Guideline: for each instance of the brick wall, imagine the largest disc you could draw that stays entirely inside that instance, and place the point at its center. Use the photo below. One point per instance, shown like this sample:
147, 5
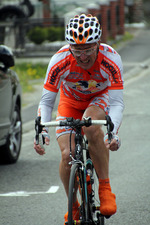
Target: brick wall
137, 11
111, 16
46, 12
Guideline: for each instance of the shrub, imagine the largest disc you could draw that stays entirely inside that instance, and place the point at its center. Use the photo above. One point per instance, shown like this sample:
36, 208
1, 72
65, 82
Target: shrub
62, 33
52, 34
37, 35
55, 34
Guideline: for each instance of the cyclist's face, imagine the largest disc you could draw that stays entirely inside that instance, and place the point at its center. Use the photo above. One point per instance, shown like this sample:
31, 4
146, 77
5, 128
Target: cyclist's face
85, 54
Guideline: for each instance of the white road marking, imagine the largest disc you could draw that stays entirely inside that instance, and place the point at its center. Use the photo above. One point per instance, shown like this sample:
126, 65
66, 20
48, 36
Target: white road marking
51, 190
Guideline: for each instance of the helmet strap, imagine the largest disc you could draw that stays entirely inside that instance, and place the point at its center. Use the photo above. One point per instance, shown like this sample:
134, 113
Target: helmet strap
71, 52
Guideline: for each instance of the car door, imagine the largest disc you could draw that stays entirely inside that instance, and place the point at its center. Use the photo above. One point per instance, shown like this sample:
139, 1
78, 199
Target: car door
5, 103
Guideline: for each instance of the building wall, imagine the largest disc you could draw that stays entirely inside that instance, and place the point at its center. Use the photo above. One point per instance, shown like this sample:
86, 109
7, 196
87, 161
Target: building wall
111, 15
135, 10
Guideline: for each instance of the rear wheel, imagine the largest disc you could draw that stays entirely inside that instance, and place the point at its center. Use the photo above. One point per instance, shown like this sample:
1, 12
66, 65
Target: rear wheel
77, 188
9, 153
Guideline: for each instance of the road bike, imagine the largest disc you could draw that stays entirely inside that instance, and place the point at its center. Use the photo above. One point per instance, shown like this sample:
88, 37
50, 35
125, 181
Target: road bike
83, 181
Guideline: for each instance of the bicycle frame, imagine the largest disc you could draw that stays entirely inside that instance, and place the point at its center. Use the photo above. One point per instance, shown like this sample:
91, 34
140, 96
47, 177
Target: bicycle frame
88, 207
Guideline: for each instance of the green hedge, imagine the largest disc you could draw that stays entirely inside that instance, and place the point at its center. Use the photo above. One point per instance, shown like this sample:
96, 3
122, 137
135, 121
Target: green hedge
37, 35
40, 34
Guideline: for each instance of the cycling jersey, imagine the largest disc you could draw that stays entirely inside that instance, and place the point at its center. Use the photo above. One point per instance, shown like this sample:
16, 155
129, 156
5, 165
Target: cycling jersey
79, 85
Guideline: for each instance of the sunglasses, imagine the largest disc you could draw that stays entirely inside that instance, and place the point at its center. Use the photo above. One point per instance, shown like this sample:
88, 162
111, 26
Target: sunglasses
88, 51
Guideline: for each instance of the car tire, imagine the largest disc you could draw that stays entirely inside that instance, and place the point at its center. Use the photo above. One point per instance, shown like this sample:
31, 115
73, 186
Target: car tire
9, 153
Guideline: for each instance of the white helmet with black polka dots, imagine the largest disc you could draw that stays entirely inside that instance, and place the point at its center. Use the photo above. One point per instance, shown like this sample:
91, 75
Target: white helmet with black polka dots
83, 30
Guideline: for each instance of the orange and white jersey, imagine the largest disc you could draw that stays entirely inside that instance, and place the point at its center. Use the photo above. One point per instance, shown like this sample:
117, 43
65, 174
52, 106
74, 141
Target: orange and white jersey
79, 84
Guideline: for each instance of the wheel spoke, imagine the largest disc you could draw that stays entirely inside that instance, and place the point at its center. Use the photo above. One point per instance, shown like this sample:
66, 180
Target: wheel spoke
15, 135
17, 128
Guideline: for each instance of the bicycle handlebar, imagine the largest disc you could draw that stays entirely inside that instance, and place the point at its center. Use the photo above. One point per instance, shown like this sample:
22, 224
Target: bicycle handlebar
74, 124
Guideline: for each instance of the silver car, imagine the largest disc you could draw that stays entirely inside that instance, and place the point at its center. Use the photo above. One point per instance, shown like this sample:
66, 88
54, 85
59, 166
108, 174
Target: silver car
10, 109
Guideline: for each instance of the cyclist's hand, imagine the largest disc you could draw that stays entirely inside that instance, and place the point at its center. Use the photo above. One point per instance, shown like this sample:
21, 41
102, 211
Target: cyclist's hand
114, 144
44, 138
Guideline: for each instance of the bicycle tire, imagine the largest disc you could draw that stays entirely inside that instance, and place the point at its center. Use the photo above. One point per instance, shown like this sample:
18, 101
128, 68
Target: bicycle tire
77, 187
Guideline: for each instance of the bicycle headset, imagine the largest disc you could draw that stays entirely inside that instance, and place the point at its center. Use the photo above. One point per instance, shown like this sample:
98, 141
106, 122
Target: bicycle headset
83, 29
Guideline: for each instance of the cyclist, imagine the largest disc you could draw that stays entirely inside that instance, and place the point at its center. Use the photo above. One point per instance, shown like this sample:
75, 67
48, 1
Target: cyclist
89, 76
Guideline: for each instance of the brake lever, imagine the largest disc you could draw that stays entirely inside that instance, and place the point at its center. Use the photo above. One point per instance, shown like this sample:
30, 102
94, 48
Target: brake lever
110, 127
38, 129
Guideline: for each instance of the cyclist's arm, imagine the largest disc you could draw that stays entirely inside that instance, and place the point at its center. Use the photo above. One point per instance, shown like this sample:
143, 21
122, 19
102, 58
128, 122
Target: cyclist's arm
116, 108
45, 111
46, 105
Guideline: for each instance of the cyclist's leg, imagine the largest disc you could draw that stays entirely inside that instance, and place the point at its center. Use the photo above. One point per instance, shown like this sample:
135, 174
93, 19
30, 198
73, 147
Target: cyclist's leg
66, 108
63, 136
64, 167
100, 156
95, 135
64, 171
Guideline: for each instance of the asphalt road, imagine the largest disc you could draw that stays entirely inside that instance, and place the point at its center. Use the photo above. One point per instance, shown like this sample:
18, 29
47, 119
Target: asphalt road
137, 51
31, 192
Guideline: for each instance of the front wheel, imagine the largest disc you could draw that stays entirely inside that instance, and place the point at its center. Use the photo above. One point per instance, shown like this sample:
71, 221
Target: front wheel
77, 192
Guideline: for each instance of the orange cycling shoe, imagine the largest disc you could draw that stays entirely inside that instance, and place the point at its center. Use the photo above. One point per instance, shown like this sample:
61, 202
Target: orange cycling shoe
76, 206
108, 205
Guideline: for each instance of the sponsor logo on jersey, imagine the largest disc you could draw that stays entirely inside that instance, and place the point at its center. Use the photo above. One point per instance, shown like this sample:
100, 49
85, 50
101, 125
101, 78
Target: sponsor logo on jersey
58, 69
111, 68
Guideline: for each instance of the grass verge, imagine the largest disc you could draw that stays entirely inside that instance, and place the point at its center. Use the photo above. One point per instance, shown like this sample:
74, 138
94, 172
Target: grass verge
28, 73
